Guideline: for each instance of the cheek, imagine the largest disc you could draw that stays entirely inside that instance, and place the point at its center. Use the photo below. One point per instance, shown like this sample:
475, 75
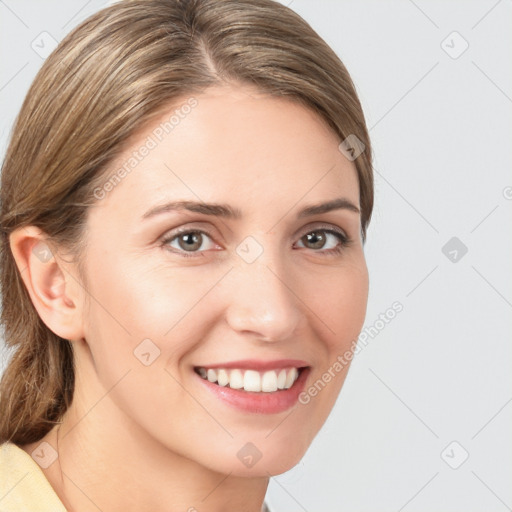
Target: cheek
342, 309
340, 301
145, 299
141, 324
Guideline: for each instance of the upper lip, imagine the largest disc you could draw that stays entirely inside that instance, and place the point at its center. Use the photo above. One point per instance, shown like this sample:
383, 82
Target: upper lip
256, 364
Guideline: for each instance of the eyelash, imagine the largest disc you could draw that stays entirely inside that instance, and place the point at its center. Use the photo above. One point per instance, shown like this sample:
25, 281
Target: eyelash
344, 239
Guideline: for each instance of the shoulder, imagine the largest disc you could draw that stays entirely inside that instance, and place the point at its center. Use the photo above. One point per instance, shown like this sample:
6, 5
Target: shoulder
23, 485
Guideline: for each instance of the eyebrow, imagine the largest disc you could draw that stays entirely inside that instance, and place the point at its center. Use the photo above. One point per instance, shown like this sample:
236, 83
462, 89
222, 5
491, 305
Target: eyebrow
227, 211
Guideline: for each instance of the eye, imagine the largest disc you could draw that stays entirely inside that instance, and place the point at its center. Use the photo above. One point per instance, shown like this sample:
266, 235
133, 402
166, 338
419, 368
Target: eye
195, 241
190, 240
320, 238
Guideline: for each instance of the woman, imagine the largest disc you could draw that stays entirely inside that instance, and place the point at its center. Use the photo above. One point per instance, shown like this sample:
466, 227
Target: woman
184, 204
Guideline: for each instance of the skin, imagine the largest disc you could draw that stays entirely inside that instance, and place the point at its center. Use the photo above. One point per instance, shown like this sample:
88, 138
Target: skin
150, 438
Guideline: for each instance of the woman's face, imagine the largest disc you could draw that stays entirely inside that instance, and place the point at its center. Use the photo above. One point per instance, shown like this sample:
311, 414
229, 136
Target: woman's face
270, 289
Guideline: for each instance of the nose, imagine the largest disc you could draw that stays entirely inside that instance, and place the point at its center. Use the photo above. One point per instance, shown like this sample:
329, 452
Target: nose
261, 299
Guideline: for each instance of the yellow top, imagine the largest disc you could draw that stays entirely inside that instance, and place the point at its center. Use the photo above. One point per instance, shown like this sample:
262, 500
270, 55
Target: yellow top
23, 485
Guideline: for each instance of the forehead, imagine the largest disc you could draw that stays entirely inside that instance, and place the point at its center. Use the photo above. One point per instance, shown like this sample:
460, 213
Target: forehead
233, 145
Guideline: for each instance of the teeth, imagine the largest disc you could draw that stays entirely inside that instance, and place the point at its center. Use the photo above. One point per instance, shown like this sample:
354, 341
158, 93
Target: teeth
236, 379
251, 380
269, 381
281, 379
291, 377
222, 377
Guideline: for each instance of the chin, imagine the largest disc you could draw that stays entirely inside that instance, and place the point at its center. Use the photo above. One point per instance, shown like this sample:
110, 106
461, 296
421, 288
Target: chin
265, 467
263, 458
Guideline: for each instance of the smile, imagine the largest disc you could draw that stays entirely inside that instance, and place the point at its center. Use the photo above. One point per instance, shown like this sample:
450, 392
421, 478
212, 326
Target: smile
255, 387
251, 380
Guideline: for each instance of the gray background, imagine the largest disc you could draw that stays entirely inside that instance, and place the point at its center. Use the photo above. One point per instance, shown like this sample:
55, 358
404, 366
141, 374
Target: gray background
435, 384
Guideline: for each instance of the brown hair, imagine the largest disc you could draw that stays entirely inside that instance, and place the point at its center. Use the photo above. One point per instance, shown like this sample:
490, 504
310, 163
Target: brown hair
108, 77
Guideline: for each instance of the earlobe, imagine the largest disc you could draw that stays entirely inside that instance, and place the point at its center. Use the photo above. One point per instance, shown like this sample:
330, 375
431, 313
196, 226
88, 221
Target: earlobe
52, 289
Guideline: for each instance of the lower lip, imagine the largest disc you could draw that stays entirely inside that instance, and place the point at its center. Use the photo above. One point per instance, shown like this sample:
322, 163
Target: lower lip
263, 402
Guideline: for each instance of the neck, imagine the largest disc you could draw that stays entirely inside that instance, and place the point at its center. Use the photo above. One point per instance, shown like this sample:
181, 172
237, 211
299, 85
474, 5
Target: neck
104, 464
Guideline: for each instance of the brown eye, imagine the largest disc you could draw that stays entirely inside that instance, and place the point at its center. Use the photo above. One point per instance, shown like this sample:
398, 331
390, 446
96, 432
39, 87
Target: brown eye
325, 241
315, 238
195, 242
188, 242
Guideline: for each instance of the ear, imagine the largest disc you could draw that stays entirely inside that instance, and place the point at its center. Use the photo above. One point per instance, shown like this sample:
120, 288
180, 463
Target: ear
51, 283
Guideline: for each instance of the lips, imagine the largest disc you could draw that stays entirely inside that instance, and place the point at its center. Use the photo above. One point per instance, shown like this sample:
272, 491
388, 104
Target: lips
256, 386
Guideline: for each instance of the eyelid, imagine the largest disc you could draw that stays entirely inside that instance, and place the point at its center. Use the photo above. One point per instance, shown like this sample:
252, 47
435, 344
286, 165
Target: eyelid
169, 236
304, 230
174, 233
322, 225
